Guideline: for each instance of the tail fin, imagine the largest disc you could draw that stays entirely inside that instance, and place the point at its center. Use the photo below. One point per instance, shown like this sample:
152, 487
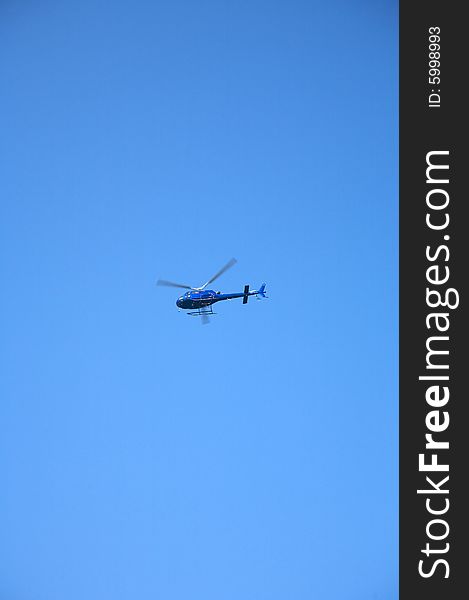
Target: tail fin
261, 291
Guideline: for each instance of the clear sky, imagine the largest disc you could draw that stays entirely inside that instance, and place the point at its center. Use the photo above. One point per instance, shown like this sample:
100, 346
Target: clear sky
143, 455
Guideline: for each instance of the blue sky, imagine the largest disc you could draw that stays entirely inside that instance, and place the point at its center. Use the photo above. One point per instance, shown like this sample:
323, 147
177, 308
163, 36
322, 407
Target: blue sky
143, 455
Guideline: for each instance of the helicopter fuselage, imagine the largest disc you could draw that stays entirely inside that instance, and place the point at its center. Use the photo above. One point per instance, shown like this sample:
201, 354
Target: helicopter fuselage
197, 299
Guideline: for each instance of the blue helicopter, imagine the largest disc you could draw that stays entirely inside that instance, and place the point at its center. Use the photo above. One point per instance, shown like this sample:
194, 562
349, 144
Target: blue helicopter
198, 300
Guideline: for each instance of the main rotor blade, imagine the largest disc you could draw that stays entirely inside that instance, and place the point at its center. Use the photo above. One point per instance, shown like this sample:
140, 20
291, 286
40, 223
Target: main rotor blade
172, 284
228, 265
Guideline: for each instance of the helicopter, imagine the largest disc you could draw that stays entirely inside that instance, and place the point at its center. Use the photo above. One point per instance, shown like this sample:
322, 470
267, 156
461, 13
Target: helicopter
199, 301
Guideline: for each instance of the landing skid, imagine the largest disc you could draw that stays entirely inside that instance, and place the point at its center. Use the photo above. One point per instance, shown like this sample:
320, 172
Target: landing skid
204, 312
